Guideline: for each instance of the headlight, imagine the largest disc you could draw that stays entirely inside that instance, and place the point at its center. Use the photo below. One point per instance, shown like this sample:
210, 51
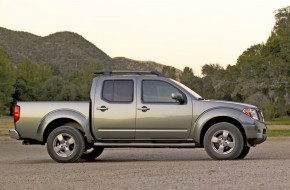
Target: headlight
252, 113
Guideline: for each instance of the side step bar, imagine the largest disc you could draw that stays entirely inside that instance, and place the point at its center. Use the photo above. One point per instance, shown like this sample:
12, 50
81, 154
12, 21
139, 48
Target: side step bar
145, 145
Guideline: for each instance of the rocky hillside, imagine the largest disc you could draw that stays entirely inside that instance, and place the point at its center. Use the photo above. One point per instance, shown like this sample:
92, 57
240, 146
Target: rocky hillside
66, 51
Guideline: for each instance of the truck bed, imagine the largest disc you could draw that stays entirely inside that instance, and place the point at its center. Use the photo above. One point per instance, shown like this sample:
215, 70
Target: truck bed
33, 114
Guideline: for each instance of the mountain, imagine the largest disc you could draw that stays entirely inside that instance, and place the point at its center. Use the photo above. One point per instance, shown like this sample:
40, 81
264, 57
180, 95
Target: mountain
66, 51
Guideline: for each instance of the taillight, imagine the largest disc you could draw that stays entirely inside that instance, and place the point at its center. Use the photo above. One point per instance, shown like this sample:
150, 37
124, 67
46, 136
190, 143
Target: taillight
16, 113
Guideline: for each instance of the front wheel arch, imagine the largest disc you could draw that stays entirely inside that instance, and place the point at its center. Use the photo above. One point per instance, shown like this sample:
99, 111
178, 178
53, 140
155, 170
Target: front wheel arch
216, 120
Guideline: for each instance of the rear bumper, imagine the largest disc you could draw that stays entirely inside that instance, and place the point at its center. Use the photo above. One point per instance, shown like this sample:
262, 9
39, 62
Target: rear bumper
14, 134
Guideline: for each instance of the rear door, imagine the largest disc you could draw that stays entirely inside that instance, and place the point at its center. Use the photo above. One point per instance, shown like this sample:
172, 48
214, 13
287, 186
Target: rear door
158, 115
115, 108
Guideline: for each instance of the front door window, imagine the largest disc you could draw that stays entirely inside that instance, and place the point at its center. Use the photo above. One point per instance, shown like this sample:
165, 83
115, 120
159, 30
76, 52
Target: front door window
154, 91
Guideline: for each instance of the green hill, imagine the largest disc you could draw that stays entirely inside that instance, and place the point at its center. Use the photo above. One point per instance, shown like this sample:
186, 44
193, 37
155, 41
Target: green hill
66, 51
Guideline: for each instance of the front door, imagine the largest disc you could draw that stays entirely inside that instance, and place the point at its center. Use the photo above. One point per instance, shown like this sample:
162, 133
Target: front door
115, 109
158, 115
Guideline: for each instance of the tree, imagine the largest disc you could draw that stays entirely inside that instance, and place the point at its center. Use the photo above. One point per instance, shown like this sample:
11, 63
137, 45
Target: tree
190, 80
213, 81
30, 79
186, 77
7, 78
82, 80
169, 72
52, 90
210, 69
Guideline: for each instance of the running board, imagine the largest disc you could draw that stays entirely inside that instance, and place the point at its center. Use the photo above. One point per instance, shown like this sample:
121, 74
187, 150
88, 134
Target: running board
145, 145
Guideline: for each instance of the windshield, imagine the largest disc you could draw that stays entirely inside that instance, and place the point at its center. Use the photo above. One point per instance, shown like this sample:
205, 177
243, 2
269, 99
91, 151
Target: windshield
194, 94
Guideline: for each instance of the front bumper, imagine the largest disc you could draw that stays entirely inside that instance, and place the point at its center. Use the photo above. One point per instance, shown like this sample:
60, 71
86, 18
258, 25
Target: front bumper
256, 134
14, 134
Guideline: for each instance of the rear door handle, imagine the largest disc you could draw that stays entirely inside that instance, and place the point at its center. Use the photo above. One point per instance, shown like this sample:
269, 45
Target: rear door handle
144, 109
102, 108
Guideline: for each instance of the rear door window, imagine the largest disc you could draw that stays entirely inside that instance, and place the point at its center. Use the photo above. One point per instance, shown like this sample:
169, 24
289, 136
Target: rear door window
118, 90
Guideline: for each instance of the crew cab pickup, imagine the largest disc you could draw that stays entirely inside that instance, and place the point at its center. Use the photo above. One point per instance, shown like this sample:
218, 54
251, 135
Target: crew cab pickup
139, 109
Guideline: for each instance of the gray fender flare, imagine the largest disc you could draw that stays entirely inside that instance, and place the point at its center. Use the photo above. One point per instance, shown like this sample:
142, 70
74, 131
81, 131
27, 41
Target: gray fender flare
78, 117
208, 115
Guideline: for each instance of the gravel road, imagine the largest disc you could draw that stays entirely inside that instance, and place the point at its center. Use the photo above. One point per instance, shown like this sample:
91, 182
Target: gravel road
29, 167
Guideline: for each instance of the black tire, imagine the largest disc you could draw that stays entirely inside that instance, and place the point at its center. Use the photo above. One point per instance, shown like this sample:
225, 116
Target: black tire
223, 141
92, 153
244, 152
65, 144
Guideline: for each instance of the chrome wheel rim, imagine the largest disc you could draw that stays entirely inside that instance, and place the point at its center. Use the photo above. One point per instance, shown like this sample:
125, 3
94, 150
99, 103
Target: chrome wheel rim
223, 142
64, 145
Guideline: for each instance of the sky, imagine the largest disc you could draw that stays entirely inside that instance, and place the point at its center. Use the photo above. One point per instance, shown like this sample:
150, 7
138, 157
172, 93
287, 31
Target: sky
178, 33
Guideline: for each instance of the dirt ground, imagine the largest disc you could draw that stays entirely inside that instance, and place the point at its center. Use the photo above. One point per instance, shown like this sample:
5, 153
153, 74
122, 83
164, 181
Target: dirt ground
29, 167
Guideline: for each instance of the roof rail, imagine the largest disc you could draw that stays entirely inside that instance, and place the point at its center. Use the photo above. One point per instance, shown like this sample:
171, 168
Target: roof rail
108, 73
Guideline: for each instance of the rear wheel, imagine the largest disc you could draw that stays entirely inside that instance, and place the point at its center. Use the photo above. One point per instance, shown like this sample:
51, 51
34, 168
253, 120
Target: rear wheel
223, 141
92, 153
65, 144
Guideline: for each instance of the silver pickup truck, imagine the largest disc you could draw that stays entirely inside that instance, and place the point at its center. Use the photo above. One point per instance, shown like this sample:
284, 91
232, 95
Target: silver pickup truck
139, 109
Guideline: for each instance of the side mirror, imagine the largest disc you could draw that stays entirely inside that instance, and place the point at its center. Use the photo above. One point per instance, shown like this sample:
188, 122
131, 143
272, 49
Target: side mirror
177, 96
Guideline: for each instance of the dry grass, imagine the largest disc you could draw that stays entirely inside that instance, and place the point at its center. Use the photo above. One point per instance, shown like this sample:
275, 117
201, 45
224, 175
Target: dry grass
278, 130
278, 127
6, 123
279, 121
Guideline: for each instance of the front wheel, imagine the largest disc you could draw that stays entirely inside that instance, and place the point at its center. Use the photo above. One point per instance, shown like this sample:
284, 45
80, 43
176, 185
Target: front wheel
65, 144
223, 141
244, 152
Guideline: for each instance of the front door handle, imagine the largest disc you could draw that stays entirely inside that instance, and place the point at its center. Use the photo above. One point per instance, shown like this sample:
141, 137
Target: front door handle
102, 108
144, 109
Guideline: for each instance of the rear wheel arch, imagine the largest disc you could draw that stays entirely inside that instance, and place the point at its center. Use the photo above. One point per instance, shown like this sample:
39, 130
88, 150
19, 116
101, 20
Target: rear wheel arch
58, 123
216, 120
